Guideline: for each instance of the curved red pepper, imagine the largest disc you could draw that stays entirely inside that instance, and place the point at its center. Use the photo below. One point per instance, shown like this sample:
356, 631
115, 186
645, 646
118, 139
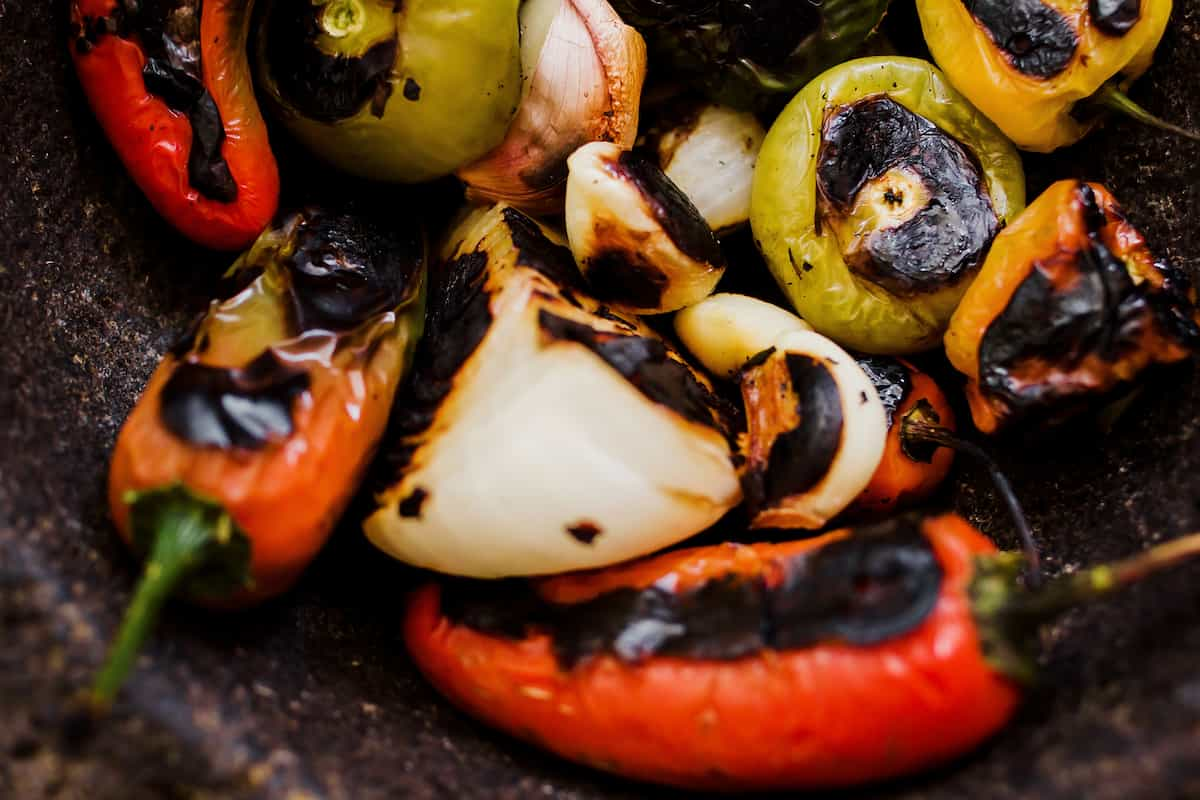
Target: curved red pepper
154, 141
831, 714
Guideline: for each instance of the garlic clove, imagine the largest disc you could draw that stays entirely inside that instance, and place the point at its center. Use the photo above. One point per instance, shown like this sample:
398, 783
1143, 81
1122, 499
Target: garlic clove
583, 84
710, 153
725, 331
638, 240
816, 431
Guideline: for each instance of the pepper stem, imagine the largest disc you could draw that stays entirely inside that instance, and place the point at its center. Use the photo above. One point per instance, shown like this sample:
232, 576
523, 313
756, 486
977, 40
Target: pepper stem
913, 429
1111, 97
183, 536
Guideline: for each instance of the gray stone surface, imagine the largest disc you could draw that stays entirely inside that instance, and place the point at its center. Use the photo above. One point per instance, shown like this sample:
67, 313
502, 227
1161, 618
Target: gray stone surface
312, 695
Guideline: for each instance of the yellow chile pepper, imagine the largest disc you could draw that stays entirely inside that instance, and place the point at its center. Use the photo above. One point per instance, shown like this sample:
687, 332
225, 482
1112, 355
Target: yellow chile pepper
1030, 64
1069, 308
876, 196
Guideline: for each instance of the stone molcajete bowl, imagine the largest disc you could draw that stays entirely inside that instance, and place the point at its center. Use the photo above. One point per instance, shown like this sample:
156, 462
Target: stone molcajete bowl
313, 695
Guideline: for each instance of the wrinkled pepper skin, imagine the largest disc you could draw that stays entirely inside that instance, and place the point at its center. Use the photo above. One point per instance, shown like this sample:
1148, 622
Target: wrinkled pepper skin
285, 492
1070, 55
826, 715
1070, 306
907, 475
154, 142
953, 165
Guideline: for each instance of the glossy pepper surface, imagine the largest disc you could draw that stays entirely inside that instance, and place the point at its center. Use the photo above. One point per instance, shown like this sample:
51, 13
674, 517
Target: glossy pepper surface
1070, 306
251, 436
392, 91
1028, 64
170, 85
659, 669
909, 471
877, 193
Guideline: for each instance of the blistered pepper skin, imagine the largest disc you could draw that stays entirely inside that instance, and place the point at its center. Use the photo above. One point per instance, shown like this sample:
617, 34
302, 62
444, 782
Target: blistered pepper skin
154, 142
805, 256
828, 715
1036, 111
285, 494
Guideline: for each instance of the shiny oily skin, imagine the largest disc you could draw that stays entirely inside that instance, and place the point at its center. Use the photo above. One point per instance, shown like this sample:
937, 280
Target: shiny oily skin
401, 92
1027, 64
808, 261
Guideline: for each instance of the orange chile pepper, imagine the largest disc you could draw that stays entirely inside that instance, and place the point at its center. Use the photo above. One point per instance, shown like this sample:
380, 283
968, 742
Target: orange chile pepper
196, 144
658, 669
252, 434
1070, 307
910, 470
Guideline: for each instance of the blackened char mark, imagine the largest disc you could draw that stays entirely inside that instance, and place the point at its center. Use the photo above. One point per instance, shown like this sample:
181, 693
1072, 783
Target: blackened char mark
616, 276
1115, 17
943, 241
456, 320
892, 382
536, 251
677, 214
226, 408
345, 269
645, 363
584, 532
800, 458
878, 583
317, 85
1101, 313
1037, 39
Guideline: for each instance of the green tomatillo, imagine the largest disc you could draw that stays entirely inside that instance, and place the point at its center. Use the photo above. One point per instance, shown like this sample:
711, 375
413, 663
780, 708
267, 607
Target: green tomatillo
877, 194
394, 91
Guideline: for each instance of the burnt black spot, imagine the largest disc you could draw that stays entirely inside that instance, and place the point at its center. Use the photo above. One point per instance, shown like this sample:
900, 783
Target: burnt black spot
317, 85
617, 276
758, 359
892, 382
537, 251
227, 408
878, 583
457, 318
412, 90
677, 214
346, 269
1037, 39
410, 507
800, 458
947, 238
1115, 17
187, 340
584, 532
604, 312
1102, 313
646, 364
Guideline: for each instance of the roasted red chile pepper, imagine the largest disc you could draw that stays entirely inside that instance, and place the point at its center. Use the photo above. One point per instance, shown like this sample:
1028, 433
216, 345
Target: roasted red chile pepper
1070, 306
170, 84
853, 657
910, 470
253, 432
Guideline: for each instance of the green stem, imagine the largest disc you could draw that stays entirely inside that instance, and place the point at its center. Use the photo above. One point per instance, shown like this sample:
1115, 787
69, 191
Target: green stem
182, 542
1111, 97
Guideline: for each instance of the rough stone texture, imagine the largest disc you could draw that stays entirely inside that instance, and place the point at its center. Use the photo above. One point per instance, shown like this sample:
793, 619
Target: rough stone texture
312, 695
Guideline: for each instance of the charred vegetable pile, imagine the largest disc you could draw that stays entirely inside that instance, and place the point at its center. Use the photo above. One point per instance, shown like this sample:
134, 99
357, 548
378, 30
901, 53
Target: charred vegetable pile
549, 392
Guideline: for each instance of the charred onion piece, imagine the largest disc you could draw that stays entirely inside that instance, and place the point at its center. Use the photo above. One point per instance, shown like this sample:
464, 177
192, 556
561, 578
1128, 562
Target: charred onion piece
1031, 66
725, 331
388, 90
709, 152
1070, 306
876, 196
640, 242
583, 85
745, 52
541, 432
815, 432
